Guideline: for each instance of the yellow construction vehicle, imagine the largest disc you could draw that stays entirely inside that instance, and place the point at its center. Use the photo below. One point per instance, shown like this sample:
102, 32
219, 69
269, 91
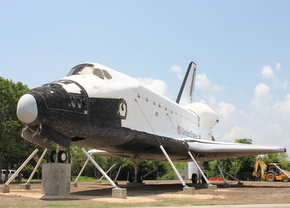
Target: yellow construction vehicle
270, 172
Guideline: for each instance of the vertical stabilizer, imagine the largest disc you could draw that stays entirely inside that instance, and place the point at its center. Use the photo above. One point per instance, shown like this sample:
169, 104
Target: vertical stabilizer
185, 94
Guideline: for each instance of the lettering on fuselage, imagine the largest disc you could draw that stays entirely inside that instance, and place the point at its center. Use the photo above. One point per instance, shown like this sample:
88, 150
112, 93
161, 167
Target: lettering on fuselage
186, 132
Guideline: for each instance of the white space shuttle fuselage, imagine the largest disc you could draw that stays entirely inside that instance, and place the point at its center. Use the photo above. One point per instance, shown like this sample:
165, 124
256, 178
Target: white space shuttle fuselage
97, 107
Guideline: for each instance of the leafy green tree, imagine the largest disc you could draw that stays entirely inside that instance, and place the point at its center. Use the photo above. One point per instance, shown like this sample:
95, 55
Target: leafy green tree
12, 146
240, 167
281, 158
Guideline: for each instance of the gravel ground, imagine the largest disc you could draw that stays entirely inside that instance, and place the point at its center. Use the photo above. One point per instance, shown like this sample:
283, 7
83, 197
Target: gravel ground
157, 193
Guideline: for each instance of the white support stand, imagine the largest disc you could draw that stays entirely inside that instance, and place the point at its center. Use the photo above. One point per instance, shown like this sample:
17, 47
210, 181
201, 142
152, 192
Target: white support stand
6, 188
80, 173
226, 185
116, 191
152, 171
172, 165
186, 189
27, 184
106, 172
210, 186
118, 173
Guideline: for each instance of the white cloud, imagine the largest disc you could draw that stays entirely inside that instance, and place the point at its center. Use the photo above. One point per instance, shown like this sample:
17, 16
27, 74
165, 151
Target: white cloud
177, 70
278, 66
227, 110
262, 97
202, 82
235, 133
268, 73
156, 85
266, 123
282, 108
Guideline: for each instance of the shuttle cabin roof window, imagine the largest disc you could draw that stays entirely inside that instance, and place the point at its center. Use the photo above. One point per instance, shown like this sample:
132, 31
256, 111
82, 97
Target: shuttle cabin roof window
81, 69
84, 69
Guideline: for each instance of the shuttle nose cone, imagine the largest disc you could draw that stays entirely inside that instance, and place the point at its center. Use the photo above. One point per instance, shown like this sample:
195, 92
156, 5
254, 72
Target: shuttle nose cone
27, 109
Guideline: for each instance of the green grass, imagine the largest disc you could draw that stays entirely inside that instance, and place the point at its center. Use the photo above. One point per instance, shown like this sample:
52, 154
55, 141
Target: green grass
85, 179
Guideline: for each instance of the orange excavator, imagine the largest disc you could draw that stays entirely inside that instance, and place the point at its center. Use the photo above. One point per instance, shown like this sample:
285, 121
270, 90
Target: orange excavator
270, 172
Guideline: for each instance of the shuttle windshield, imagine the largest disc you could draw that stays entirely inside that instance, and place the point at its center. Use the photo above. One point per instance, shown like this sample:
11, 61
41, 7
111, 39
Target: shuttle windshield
84, 69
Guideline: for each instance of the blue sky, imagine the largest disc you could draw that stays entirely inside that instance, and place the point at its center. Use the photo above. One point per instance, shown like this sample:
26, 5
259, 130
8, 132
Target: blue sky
241, 49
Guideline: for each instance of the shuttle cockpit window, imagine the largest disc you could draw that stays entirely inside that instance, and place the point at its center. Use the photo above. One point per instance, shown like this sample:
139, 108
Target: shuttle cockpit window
107, 75
84, 69
98, 72
81, 69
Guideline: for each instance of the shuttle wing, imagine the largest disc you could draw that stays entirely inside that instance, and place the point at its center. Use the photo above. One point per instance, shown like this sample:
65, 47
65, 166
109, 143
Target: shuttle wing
211, 150
208, 150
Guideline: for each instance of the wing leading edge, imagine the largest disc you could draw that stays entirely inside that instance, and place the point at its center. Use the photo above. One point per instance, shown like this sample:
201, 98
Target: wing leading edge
210, 150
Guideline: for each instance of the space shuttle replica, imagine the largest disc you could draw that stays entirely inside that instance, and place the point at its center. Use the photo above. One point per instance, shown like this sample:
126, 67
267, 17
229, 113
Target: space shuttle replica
97, 107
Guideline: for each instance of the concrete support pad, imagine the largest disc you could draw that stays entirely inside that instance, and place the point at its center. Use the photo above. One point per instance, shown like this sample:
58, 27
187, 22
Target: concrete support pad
226, 185
189, 190
24, 186
74, 184
120, 193
56, 179
212, 187
135, 184
4, 189
199, 185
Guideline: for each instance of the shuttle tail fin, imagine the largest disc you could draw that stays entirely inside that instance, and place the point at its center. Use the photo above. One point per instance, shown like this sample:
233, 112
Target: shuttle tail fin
185, 93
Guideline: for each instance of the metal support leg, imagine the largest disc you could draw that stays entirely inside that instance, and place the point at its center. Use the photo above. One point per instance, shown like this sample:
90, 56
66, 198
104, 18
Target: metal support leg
205, 178
224, 172
172, 165
107, 171
136, 163
152, 171
21, 167
36, 167
99, 168
225, 185
80, 173
118, 173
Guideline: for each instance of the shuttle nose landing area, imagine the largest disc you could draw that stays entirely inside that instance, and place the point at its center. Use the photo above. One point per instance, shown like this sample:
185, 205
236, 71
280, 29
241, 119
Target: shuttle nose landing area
27, 109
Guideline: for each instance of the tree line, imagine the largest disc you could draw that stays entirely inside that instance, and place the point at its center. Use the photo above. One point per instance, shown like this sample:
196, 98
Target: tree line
14, 150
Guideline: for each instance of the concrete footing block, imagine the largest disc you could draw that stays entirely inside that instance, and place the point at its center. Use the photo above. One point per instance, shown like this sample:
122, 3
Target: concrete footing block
212, 187
24, 186
4, 189
120, 193
199, 185
226, 185
135, 184
74, 184
189, 190
56, 179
